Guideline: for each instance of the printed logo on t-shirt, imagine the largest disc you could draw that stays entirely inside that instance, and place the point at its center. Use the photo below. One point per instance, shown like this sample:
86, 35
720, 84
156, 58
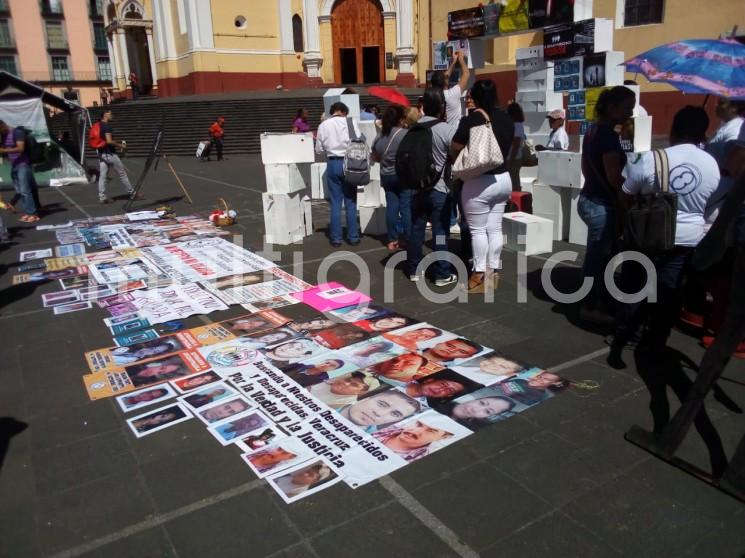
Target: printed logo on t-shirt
684, 179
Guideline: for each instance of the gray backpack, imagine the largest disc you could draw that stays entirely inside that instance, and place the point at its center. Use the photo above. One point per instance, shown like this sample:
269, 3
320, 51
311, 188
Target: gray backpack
356, 158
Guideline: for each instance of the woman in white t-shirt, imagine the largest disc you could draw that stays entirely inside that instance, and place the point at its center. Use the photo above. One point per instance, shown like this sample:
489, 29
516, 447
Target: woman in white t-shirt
515, 156
694, 177
729, 113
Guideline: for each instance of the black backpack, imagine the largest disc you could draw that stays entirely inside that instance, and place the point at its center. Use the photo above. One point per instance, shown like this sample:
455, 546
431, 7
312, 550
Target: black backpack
415, 164
36, 151
651, 220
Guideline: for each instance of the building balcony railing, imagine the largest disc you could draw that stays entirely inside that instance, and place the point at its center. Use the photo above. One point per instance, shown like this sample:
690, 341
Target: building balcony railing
66, 76
51, 8
58, 44
7, 41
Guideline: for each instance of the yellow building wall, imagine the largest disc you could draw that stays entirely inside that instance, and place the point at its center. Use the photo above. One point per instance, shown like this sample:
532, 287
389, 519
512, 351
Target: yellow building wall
262, 25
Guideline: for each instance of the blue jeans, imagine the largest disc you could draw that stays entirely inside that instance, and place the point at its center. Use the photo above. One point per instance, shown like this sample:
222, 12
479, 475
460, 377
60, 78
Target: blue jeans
24, 184
398, 203
432, 206
600, 219
340, 191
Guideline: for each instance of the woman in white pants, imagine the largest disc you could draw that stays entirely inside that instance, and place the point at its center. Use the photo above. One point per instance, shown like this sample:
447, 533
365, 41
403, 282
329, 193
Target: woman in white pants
484, 197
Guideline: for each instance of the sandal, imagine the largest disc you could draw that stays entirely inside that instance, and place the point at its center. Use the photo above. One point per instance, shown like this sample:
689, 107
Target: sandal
477, 284
30, 218
393, 245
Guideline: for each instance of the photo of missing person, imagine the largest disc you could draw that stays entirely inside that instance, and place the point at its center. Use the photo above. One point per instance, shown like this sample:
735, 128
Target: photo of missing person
303, 480
145, 397
388, 322
317, 370
313, 325
361, 312
223, 410
413, 337
156, 371
490, 368
239, 426
533, 387
440, 387
345, 390
262, 439
453, 351
270, 337
293, 351
158, 419
481, 408
254, 323
418, 437
150, 349
240, 280
381, 409
405, 368
208, 395
190, 383
341, 335
372, 351
277, 457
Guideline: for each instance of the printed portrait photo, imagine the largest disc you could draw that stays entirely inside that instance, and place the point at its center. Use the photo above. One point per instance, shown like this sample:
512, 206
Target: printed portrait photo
222, 410
303, 480
382, 324
145, 397
405, 368
490, 368
277, 457
293, 351
156, 371
158, 419
381, 409
360, 312
440, 387
418, 437
261, 439
452, 351
208, 395
372, 351
239, 426
346, 389
341, 335
150, 349
481, 408
316, 370
414, 337
533, 386
190, 383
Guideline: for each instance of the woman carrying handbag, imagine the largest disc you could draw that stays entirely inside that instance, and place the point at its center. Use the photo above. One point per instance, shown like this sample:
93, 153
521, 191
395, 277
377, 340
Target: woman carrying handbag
479, 143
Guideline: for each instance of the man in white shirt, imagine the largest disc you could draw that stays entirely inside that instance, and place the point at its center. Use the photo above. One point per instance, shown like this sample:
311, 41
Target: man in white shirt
694, 177
332, 140
558, 139
454, 106
728, 131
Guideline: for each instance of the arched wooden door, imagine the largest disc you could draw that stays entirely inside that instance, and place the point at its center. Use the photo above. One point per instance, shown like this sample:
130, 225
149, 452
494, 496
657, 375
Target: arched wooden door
358, 41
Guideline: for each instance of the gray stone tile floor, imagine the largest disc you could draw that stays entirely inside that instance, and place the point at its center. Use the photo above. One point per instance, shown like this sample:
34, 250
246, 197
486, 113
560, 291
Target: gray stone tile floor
557, 480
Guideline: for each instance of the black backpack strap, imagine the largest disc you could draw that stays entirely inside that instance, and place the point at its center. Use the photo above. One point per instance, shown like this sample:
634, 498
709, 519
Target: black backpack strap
352, 133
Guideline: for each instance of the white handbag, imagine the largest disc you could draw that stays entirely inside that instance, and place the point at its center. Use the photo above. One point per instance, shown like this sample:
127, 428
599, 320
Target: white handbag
481, 154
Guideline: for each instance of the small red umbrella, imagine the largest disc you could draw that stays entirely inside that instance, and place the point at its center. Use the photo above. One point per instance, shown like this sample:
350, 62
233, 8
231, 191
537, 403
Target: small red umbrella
390, 94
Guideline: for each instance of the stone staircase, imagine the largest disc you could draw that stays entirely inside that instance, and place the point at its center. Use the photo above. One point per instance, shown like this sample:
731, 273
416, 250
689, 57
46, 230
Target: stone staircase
186, 119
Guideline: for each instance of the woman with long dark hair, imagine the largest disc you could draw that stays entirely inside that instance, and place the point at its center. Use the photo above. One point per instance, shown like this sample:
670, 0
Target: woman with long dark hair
300, 124
602, 199
484, 197
397, 198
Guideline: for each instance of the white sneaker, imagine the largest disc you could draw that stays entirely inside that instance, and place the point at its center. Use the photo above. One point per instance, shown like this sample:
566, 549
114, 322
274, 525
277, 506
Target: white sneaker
453, 278
414, 277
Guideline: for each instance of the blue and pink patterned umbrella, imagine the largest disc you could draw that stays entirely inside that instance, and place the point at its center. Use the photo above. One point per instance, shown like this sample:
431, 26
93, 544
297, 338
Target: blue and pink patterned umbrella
707, 66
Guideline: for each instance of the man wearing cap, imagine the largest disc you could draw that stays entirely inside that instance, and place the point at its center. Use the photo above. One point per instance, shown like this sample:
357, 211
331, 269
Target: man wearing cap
558, 140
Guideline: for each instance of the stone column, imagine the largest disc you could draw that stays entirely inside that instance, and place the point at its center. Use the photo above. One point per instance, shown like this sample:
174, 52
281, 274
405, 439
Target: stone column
405, 53
312, 59
124, 56
116, 69
151, 56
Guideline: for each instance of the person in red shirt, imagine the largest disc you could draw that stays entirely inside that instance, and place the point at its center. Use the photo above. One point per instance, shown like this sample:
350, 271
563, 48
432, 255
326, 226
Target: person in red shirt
216, 133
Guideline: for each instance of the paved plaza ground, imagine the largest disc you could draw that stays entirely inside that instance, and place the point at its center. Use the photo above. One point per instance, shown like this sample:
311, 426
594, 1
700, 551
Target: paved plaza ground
556, 480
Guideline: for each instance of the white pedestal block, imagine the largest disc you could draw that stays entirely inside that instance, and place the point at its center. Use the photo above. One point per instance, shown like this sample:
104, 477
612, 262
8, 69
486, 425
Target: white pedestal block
287, 178
372, 195
539, 101
614, 68
527, 233
372, 220
642, 134
318, 181
336, 94
526, 182
534, 75
560, 168
529, 52
577, 227
284, 218
306, 205
553, 203
375, 171
368, 128
287, 148
582, 9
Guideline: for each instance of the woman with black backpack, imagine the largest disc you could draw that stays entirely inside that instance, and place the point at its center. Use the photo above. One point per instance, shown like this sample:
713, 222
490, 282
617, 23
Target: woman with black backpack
397, 198
485, 197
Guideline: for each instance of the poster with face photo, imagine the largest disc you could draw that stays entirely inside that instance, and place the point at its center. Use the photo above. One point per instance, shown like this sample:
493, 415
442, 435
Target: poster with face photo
452, 351
196, 381
159, 419
360, 312
117, 357
371, 352
482, 408
208, 395
316, 370
145, 397
413, 338
440, 387
533, 386
490, 368
404, 368
277, 457
346, 389
387, 323
303, 480
341, 335
255, 323
421, 436
261, 438
296, 350
222, 410
381, 409
249, 288
239, 426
